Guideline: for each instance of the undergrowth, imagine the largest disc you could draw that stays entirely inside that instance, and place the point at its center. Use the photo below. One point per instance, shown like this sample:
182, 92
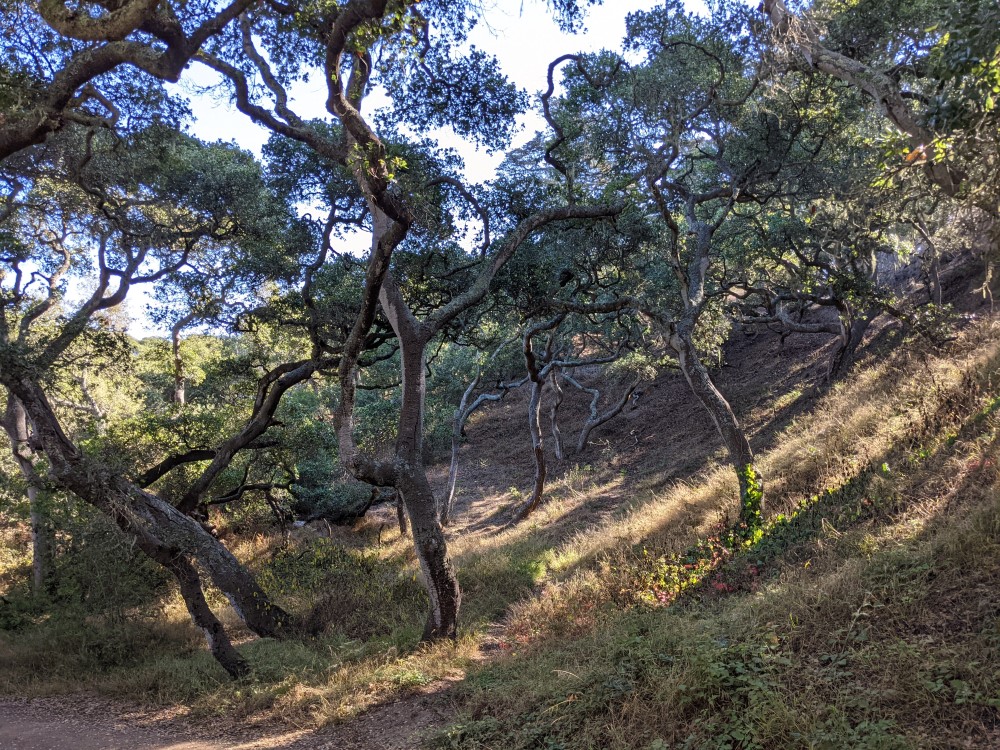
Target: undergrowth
864, 616
862, 612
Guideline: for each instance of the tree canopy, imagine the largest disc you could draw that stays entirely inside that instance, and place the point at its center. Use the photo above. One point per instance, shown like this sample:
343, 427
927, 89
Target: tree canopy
720, 171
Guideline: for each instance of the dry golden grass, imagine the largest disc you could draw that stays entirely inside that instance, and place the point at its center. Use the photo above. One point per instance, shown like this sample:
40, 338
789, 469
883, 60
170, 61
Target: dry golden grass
553, 582
876, 626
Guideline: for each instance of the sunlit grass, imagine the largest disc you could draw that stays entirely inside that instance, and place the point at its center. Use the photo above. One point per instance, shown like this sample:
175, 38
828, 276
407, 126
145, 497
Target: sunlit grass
900, 432
862, 632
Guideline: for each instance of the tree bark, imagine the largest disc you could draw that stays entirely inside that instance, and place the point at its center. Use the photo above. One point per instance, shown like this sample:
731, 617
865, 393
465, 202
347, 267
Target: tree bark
180, 380
440, 580
421, 506
733, 436
843, 358
15, 423
404, 528
144, 517
194, 599
39, 541
596, 419
429, 542
538, 450
557, 443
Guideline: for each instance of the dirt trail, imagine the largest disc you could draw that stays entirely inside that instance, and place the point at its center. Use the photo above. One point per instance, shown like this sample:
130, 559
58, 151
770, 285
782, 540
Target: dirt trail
494, 459
92, 723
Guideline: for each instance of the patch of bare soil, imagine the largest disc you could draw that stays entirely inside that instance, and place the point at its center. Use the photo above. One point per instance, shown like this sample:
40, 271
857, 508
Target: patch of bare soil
83, 722
666, 435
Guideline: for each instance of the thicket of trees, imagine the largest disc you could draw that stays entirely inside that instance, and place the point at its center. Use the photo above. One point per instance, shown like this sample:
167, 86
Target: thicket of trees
745, 168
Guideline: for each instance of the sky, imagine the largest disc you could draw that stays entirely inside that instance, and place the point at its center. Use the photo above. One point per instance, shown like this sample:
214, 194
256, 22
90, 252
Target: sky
523, 36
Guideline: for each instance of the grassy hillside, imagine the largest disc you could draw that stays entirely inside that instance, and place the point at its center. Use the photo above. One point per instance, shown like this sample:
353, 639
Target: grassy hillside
620, 615
866, 616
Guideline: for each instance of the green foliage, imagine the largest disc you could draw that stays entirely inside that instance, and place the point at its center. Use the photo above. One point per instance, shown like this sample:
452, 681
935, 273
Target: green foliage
740, 182
751, 499
470, 94
98, 571
359, 595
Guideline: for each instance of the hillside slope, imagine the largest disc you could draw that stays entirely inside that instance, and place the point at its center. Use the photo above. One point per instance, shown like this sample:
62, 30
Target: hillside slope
867, 615
618, 616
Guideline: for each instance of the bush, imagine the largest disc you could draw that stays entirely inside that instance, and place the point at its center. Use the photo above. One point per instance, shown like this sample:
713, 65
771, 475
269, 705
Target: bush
359, 594
97, 567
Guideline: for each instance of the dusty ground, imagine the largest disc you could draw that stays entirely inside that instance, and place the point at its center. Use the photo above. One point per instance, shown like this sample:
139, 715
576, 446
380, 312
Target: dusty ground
768, 383
668, 435
93, 723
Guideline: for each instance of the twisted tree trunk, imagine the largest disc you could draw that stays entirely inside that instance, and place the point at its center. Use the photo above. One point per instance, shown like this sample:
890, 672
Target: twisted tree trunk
538, 450
538, 367
440, 580
738, 446
410, 475
146, 518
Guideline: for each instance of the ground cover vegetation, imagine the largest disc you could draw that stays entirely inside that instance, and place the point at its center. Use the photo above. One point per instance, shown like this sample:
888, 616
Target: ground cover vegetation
679, 432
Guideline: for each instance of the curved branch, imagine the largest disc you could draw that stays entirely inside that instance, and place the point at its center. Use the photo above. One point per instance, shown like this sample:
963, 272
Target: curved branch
462, 414
269, 396
475, 293
60, 94
476, 205
878, 86
596, 419
113, 26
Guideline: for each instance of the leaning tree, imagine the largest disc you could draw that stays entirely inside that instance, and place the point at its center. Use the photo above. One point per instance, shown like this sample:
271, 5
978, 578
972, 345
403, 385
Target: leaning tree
112, 214
417, 51
690, 125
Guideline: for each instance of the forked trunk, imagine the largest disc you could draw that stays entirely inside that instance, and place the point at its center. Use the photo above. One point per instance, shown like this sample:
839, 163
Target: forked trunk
596, 419
538, 449
735, 439
194, 599
140, 514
